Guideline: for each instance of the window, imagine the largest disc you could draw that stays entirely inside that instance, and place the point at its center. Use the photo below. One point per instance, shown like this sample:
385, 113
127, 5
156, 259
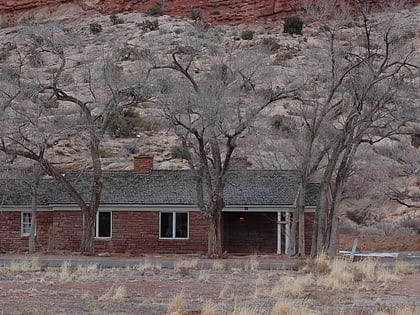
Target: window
26, 223
103, 224
174, 225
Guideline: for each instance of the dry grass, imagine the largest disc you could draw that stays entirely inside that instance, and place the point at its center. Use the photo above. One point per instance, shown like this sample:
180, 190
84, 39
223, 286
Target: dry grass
115, 294
209, 308
176, 303
283, 307
148, 266
404, 268
21, 266
386, 276
236, 289
293, 287
204, 276
192, 264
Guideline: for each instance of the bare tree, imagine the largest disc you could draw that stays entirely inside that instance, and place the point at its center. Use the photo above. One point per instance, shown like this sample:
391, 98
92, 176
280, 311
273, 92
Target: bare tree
367, 84
42, 109
211, 104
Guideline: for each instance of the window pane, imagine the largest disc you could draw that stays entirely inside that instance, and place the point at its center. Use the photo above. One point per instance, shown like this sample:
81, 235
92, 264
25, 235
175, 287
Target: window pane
26, 223
104, 224
166, 224
181, 225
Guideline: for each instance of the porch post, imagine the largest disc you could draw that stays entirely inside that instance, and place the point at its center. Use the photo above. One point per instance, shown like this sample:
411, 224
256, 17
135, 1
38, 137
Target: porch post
278, 232
287, 240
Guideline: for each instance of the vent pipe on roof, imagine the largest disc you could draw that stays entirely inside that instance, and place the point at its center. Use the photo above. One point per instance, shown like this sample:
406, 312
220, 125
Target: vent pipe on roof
143, 163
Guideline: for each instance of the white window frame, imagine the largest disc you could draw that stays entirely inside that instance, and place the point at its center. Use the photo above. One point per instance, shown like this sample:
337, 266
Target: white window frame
174, 237
97, 225
22, 223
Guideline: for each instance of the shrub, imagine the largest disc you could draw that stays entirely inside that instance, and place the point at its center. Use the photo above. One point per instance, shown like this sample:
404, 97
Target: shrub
411, 222
129, 53
283, 123
157, 10
148, 26
128, 124
247, 34
293, 25
270, 43
4, 24
116, 19
358, 216
131, 148
196, 14
95, 28
178, 152
280, 58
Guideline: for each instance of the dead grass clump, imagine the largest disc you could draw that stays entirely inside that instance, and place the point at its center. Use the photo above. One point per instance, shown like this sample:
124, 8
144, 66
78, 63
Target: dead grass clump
221, 265
148, 266
288, 308
244, 308
115, 294
252, 264
365, 269
395, 310
21, 266
292, 287
320, 265
209, 308
385, 276
176, 303
404, 268
339, 277
183, 267
204, 276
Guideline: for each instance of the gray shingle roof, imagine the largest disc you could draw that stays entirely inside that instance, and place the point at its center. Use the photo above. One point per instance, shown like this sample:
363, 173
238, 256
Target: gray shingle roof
244, 187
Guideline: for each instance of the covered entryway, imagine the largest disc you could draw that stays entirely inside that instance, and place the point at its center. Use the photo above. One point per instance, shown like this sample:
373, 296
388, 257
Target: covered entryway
250, 232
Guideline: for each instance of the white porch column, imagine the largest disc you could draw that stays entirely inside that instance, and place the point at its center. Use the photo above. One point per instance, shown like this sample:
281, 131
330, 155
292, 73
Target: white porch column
278, 232
287, 240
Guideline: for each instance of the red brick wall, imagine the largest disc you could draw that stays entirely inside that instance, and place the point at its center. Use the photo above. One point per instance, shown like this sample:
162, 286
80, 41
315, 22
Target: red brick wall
309, 221
138, 232
10, 231
67, 231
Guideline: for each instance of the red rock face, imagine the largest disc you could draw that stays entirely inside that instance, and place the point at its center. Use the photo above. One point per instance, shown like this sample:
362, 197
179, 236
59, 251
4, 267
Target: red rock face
264, 12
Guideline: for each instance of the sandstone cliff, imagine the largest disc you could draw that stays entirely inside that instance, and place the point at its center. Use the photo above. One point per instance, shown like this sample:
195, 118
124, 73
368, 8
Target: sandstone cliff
265, 12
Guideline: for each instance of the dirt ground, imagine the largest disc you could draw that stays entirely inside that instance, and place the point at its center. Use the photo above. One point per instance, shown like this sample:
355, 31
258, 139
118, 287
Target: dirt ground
376, 243
236, 286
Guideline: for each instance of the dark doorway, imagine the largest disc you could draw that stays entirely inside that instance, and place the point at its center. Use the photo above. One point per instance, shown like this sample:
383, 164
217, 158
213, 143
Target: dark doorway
250, 232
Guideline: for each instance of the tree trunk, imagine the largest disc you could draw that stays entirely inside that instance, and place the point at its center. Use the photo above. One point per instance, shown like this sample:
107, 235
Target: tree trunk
292, 239
333, 235
215, 235
34, 205
301, 217
32, 233
88, 233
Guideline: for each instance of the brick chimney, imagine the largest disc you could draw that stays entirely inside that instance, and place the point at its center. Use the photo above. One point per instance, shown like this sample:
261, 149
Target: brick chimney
143, 163
238, 163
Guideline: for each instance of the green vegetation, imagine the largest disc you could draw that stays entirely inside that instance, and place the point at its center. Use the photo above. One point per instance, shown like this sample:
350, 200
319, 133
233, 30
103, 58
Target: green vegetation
283, 123
115, 19
293, 25
247, 34
128, 124
95, 28
148, 26
157, 10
